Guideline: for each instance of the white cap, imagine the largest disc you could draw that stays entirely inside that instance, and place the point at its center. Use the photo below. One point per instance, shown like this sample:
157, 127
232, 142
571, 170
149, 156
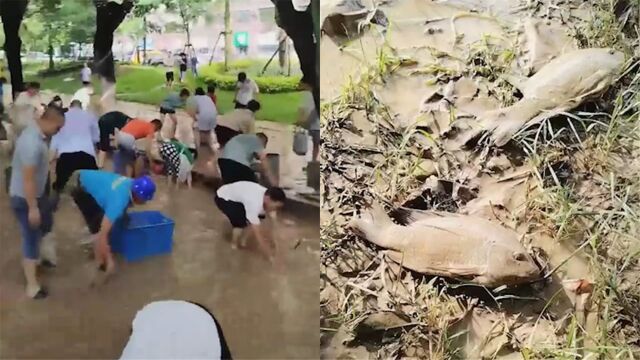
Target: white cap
173, 330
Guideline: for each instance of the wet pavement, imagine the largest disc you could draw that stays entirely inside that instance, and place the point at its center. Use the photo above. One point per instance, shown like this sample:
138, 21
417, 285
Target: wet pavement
263, 313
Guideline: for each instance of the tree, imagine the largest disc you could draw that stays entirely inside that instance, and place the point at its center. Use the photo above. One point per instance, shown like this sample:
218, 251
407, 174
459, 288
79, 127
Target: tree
141, 10
228, 35
109, 15
12, 13
189, 11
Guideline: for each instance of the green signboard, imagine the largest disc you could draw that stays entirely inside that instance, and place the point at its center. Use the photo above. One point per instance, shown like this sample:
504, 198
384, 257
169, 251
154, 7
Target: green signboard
241, 39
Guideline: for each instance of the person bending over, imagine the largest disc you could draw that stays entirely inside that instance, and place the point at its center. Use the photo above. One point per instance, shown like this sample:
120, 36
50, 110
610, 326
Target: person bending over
236, 122
103, 198
130, 158
169, 106
108, 123
243, 203
73, 148
237, 156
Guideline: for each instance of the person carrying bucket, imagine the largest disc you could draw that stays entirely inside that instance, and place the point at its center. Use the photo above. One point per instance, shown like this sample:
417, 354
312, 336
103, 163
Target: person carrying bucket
103, 198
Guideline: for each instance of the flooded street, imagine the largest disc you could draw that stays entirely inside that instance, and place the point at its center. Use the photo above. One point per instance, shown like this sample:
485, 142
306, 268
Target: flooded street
263, 313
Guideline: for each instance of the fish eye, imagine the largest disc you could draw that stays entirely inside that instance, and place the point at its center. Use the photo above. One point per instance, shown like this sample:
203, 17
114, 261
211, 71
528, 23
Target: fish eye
519, 256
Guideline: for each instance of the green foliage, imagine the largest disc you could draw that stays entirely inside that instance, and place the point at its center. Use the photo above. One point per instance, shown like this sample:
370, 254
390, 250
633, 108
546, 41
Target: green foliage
145, 84
215, 74
189, 10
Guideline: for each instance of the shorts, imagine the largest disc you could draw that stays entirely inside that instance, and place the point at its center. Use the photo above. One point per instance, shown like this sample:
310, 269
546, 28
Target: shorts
240, 106
164, 111
183, 68
169, 76
233, 171
206, 124
31, 237
234, 211
70, 162
315, 137
126, 141
224, 134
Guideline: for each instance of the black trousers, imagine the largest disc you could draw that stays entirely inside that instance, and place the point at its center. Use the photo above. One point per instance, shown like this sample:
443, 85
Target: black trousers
239, 106
299, 26
233, 171
224, 134
234, 211
91, 211
70, 162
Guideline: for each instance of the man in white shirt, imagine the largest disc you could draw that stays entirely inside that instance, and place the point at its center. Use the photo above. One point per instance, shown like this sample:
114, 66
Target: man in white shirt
84, 94
244, 203
246, 90
85, 75
74, 146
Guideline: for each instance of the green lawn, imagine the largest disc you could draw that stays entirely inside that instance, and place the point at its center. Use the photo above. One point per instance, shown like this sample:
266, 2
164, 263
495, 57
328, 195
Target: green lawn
144, 84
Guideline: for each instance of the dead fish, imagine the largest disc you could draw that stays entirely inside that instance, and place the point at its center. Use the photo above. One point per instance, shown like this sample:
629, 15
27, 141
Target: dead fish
346, 18
451, 245
561, 85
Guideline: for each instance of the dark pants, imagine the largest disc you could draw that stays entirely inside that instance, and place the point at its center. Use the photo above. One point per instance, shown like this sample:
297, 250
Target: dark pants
108, 123
224, 134
31, 236
70, 162
233, 171
91, 211
234, 211
240, 106
299, 26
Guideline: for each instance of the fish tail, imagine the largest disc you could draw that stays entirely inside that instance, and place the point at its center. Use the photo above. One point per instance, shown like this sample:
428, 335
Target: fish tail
371, 222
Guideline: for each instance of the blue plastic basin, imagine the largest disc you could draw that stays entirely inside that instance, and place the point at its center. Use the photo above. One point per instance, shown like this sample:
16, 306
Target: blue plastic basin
147, 233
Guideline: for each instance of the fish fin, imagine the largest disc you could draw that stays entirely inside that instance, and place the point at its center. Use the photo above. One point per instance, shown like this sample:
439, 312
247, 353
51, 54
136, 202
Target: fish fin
406, 216
370, 224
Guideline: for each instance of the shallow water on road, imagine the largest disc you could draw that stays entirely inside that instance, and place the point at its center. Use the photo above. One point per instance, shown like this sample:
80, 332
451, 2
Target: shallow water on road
263, 313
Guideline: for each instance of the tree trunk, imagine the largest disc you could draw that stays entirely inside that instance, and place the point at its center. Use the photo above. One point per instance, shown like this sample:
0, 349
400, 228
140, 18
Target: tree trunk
228, 34
144, 40
12, 12
51, 65
109, 15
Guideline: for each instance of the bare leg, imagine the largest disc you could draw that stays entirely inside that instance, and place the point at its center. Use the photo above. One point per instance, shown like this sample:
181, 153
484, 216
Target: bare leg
174, 124
33, 287
101, 158
236, 233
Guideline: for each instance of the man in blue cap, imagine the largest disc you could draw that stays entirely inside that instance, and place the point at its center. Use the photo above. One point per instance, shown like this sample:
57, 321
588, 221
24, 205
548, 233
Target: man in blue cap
103, 198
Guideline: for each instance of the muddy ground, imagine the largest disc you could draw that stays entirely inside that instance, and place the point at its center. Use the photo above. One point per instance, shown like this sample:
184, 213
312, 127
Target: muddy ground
263, 313
403, 103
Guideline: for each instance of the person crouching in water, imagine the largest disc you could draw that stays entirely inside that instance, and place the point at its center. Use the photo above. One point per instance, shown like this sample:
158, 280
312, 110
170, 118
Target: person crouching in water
244, 203
27, 186
73, 147
129, 163
169, 106
103, 198
239, 153
178, 161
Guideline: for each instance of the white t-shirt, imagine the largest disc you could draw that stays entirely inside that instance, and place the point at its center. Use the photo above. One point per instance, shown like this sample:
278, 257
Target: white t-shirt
85, 74
249, 194
247, 91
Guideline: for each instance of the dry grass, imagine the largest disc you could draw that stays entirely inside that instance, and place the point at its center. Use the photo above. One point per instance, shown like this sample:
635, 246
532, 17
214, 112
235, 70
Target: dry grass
588, 171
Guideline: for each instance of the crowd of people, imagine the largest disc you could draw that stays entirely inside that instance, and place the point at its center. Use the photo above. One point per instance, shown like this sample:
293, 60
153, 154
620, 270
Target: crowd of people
64, 150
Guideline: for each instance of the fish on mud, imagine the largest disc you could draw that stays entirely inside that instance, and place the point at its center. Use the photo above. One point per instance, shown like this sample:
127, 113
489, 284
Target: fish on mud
452, 245
560, 85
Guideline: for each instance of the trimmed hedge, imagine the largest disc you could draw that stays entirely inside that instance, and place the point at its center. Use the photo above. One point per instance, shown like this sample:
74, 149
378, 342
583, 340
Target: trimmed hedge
61, 68
215, 74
